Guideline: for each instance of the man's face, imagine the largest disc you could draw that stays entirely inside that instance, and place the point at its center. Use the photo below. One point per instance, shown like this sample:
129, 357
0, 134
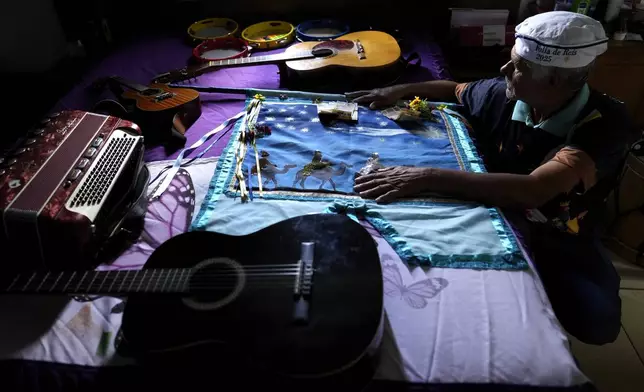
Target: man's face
520, 84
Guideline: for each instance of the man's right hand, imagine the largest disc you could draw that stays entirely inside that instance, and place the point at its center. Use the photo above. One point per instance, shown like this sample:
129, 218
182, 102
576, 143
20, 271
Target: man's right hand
379, 97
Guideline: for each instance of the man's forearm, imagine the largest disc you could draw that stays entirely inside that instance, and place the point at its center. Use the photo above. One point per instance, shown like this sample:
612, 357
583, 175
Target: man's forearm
497, 189
434, 90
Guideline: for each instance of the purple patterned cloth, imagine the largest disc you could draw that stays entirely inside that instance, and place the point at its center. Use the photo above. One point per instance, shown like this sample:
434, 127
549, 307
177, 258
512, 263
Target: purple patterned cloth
141, 61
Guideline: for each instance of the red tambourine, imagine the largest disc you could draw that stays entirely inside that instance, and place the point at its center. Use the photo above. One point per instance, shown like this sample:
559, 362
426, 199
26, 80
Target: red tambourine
221, 49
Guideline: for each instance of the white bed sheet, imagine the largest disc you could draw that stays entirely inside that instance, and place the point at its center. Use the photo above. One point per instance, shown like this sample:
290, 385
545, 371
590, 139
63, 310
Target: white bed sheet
479, 327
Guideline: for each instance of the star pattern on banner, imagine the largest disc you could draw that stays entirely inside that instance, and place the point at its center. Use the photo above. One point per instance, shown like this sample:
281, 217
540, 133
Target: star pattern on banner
291, 127
305, 130
315, 120
383, 123
280, 125
289, 119
282, 110
269, 118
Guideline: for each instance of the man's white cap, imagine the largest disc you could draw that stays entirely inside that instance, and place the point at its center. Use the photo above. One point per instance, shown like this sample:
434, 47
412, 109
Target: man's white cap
560, 39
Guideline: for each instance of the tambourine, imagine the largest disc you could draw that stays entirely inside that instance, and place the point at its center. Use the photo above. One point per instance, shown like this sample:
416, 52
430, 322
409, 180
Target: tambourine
212, 28
269, 35
321, 30
220, 49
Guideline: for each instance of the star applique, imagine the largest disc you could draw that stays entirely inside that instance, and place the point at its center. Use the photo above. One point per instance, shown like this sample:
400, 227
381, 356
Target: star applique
282, 110
382, 123
269, 118
289, 119
305, 130
315, 120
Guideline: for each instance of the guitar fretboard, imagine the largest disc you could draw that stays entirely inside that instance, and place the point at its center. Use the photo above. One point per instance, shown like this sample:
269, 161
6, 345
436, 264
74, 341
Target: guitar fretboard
268, 59
173, 280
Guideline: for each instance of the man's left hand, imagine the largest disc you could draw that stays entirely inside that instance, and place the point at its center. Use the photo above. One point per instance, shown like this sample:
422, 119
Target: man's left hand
388, 184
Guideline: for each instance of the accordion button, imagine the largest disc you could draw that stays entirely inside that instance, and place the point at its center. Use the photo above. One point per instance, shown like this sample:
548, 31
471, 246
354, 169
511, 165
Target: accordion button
2, 172
75, 174
97, 142
39, 131
83, 163
19, 151
12, 161
30, 142
90, 152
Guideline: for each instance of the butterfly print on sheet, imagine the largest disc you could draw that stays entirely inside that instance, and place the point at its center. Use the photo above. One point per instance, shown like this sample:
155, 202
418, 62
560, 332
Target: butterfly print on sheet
166, 217
417, 293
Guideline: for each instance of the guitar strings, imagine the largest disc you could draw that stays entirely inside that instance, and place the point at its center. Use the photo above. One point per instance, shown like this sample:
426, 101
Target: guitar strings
194, 279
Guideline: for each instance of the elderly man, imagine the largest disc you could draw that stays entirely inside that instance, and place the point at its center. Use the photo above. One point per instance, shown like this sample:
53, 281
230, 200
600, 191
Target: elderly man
553, 149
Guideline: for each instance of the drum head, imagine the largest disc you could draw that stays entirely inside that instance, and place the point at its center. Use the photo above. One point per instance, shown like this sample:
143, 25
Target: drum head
269, 35
212, 28
220, 49
321, 30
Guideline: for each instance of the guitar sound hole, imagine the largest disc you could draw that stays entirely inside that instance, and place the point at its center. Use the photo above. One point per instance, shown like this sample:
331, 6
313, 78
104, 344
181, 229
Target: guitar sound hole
322, 52
148, 92
215, 283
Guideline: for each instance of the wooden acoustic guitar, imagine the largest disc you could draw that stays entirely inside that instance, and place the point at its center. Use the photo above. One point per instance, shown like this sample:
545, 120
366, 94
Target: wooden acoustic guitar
299, 303
360, 51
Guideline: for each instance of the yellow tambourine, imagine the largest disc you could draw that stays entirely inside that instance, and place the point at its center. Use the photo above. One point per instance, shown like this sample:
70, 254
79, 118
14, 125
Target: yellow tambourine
212, 28
269, 35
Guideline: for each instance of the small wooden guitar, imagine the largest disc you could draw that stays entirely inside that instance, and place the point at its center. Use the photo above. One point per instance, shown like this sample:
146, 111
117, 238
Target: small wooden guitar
300, 301
364, 50
163, 113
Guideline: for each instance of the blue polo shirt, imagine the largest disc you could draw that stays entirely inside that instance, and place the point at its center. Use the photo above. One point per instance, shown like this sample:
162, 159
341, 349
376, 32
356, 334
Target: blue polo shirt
591, 135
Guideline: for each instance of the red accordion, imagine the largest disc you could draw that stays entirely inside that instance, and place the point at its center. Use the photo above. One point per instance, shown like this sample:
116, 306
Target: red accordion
67, 188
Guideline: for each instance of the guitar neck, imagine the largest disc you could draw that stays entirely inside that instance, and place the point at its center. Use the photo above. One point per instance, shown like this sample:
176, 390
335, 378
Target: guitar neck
169, 281
128, 84
256, 60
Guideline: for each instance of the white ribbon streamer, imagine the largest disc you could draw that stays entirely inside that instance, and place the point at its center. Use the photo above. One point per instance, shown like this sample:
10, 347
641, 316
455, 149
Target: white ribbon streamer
174, 168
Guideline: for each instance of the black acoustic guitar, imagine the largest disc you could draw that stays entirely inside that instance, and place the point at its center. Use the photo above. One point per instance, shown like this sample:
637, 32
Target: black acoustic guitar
299, 303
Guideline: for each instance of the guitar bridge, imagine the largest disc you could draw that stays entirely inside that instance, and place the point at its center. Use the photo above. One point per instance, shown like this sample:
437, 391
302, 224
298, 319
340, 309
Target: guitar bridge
164, 96
303, 283
360, 50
